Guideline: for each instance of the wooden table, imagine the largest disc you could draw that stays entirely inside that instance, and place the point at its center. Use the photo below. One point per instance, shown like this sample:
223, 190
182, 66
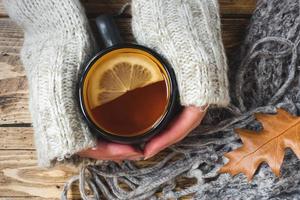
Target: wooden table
20, 178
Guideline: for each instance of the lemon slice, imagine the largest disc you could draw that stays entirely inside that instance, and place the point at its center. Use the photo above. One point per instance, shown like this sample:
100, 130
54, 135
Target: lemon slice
115, 75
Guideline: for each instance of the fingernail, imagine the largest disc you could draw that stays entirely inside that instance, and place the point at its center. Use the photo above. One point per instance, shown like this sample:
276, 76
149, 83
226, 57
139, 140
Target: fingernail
204, 108
149, 156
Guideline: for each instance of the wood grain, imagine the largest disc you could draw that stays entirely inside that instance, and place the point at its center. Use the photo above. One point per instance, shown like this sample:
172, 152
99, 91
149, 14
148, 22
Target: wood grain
96, 7
13, 138
2, 10
14, 101
237, 7
28, 198
11, 37
20, 176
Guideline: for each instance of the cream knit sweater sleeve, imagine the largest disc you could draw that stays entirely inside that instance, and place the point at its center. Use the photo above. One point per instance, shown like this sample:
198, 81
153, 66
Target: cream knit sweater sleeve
56, 45
188, 34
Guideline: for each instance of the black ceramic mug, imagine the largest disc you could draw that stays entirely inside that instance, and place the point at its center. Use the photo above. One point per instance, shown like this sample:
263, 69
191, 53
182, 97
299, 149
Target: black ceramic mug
127, 92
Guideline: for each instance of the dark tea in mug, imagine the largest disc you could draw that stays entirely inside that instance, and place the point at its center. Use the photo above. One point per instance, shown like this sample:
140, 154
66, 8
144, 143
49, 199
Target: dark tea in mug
126, 92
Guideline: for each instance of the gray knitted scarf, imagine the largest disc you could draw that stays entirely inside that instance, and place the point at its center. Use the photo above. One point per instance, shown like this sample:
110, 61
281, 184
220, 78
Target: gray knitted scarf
264, 76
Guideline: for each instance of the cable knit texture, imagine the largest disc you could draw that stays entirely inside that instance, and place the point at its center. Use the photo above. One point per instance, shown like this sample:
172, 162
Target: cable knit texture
188, 34
56, 45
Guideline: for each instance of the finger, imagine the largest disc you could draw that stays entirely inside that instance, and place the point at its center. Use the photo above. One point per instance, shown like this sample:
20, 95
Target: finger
185, 122
111, 151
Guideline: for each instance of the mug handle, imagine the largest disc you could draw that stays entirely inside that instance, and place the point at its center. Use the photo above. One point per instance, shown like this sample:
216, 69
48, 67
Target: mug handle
108, 30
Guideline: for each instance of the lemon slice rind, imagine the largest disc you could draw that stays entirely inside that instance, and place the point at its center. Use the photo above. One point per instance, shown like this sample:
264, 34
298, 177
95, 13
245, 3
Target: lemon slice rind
125, 72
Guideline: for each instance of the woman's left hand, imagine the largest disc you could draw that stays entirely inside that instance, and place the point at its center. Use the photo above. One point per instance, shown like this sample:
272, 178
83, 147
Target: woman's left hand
178, 129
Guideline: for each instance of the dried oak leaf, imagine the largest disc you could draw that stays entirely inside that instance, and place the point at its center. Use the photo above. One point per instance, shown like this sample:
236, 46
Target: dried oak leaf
281, 131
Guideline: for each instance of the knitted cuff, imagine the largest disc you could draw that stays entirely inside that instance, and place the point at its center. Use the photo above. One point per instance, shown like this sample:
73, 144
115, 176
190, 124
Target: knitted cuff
56, 44
188, 34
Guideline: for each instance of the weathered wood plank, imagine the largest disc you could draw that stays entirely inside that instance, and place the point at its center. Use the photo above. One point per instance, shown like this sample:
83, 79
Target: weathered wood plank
16, 138
14, 101
13, 84
29, 198
237, 7
19, 176
95, 7
11, 40
2, 10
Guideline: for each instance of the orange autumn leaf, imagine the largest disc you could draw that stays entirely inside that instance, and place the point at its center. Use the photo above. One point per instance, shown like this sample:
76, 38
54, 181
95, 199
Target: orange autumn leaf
281, 131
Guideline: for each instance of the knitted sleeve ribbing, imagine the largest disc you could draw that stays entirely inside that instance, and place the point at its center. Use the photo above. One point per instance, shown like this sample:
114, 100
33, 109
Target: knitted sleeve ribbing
56, 44
187, 33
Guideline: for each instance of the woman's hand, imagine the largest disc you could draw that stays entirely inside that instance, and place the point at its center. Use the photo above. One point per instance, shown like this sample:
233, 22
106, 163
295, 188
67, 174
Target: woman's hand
178, 129
112, 151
